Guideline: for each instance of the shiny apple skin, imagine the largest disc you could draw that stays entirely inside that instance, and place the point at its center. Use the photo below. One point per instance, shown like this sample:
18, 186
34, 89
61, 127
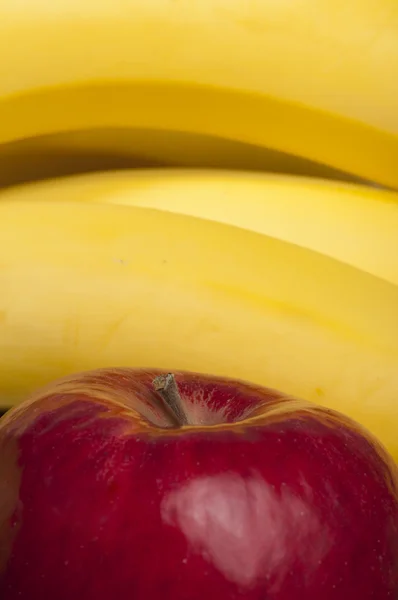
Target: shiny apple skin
268, 498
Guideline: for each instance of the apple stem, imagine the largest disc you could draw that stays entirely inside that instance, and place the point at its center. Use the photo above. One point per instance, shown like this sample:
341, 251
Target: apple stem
167, 388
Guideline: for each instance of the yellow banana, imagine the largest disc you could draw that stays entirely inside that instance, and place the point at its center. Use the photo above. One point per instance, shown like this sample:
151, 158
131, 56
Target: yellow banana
86, 285
353, 224
309, 78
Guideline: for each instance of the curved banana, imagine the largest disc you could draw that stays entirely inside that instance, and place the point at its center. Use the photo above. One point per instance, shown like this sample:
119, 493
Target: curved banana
356, 225
86, 285
308, 79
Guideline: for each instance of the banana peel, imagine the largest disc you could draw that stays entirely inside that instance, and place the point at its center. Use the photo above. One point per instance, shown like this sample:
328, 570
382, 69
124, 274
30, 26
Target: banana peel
87, 285
306, 79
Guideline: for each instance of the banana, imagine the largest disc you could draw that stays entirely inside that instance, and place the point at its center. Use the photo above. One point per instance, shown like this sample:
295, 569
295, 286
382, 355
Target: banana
306, 78
85, 285
354, 224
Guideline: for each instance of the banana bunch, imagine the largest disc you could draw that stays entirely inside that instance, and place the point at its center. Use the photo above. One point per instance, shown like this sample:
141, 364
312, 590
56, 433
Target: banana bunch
239, 274
202, 261
304, 79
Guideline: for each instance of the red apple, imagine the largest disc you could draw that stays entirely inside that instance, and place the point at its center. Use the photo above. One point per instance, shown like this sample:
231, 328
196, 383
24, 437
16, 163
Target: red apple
125, 484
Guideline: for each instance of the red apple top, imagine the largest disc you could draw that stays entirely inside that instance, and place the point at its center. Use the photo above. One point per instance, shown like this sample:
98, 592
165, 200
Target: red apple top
125, 484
